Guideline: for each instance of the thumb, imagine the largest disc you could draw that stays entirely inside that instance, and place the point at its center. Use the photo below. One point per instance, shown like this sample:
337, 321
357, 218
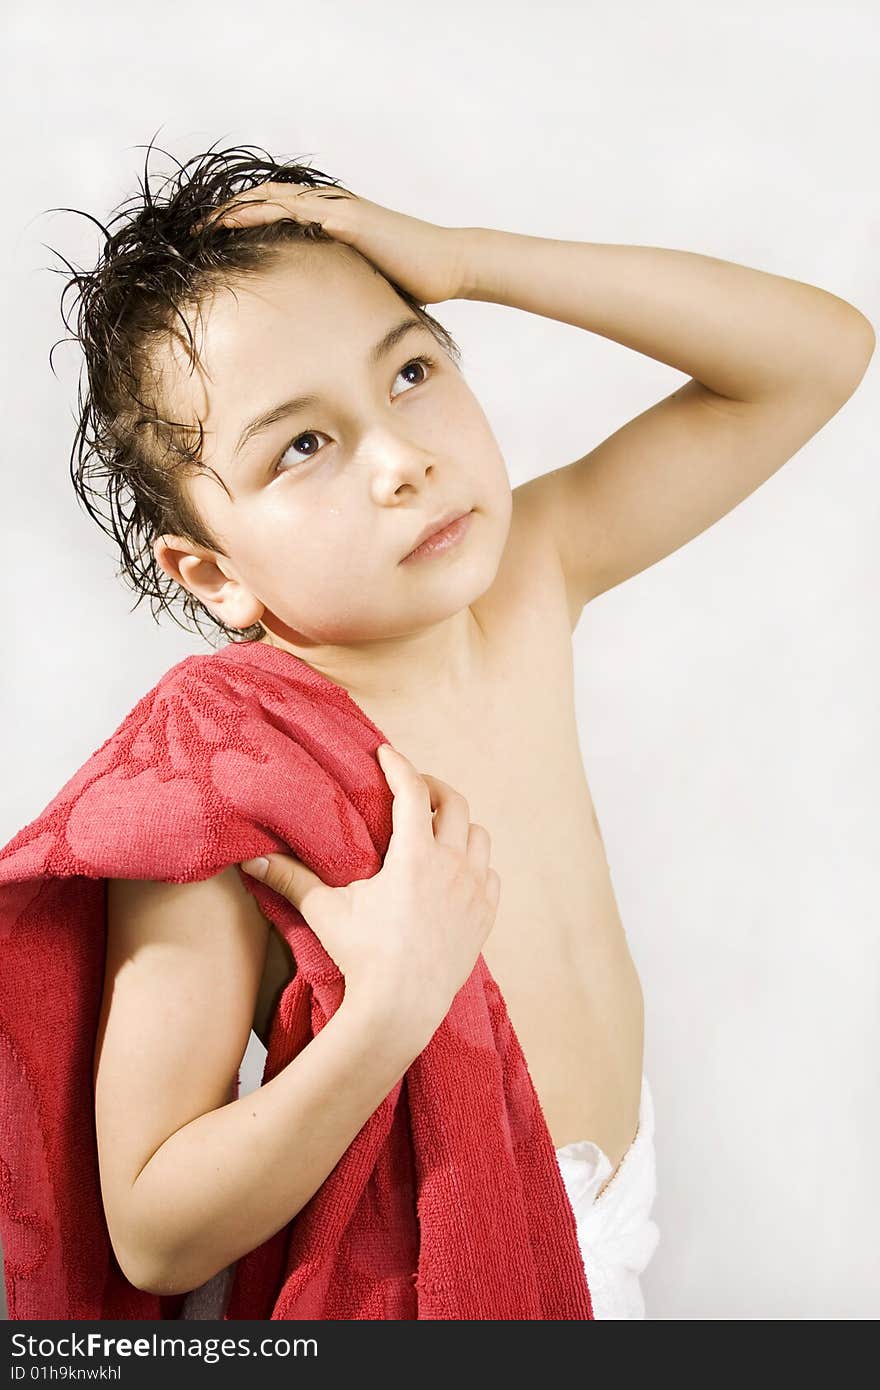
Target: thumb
285, 874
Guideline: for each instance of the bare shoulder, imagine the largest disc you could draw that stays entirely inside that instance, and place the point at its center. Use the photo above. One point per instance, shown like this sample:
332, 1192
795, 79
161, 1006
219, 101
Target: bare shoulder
182, 972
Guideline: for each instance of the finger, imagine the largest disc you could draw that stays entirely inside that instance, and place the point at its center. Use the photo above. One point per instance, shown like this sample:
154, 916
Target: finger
479, 847
285, 875
221, 217
248, 204
255, 210
411, 808
451, 813
493, 890
280, 194
261, 192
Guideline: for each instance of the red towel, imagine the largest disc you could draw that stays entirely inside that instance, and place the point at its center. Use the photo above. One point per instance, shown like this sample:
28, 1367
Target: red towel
448, 1203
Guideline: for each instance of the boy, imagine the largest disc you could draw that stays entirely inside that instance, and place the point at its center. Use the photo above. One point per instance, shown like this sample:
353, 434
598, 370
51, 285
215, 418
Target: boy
338, 435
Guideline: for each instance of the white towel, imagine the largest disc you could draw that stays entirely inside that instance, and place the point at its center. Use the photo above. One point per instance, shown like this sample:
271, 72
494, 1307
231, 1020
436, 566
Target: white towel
615, 1232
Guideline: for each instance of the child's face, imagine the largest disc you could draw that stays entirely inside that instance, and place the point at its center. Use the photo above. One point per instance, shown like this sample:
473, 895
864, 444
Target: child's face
324, 504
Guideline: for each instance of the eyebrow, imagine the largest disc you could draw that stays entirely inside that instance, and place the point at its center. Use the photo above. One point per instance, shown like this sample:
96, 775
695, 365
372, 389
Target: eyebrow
283, 409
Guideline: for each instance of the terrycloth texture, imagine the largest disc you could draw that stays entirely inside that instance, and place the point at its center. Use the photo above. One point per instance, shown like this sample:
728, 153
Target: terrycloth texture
449, 1203
615, 1230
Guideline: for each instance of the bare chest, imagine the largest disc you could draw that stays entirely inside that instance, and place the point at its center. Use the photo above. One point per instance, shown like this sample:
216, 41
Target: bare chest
557, 950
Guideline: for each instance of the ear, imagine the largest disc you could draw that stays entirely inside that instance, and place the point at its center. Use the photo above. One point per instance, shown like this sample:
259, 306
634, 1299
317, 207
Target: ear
204, 573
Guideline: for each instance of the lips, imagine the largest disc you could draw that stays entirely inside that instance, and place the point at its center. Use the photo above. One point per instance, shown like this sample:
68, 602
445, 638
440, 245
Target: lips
434, 526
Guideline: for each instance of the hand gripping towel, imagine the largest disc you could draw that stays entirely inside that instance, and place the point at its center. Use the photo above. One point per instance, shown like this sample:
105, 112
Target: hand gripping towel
448, 1203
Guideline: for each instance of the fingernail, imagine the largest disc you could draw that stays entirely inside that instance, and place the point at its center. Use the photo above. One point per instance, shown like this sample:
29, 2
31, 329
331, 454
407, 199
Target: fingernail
257, 868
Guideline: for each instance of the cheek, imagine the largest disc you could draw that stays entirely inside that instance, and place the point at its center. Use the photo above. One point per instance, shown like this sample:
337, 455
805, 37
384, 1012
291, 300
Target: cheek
316, 562
483, 446
494, 485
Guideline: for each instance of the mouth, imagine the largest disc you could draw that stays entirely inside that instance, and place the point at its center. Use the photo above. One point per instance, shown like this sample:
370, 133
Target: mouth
440, 536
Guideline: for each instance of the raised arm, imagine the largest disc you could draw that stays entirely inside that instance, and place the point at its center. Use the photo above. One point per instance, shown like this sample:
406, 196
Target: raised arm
771, 360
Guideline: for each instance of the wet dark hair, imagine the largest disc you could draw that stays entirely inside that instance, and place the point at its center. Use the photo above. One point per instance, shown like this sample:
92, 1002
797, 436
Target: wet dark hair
125, 454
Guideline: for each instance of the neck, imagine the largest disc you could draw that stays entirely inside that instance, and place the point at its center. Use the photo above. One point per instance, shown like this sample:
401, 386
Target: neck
441, 660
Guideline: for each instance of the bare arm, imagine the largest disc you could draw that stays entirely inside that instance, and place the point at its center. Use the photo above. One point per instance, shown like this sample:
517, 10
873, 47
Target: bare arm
190, 1183
771, 361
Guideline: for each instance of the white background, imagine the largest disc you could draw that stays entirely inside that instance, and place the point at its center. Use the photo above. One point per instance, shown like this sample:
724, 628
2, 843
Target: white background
728, 696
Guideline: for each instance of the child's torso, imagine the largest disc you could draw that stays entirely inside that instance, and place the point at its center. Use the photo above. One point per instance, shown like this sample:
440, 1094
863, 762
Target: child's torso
557, 950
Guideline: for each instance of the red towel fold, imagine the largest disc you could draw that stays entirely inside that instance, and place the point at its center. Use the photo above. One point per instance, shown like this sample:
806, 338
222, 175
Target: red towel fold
449, 1202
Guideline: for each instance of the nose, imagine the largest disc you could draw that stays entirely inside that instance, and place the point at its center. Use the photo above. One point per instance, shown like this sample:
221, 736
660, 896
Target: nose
395, 464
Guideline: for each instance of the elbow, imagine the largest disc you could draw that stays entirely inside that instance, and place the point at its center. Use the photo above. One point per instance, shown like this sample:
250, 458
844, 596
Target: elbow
157, 1266
149, 1284
162, 1280
150, 1276
867, 340
850, 360
165, 1276
147, 1270
838, 355
143, 1276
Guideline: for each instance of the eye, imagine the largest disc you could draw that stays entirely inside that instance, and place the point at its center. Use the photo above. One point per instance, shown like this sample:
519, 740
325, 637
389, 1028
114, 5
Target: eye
295, 445
424, 364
